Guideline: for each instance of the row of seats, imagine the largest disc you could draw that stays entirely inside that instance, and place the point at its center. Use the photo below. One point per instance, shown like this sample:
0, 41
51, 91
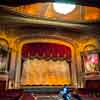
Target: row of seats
19, 94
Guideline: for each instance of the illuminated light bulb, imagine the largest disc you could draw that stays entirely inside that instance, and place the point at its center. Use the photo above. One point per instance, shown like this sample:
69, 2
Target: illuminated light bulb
63, 8
92, 60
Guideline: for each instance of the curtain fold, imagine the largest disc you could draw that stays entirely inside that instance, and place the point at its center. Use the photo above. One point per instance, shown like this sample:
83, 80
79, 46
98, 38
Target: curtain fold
46, 50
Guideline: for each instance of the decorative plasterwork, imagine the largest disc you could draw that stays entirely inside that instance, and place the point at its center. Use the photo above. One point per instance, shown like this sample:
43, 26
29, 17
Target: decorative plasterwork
46, 39
4, 43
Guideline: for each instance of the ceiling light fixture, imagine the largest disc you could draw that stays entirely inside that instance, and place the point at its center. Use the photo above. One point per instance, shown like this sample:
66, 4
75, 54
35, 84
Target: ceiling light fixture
63, 8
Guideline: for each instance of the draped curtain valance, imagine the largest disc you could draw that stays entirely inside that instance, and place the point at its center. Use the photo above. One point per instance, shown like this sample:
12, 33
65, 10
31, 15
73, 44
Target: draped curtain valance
46, 50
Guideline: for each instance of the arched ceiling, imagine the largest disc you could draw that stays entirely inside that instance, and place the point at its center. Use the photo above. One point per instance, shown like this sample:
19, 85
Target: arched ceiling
27, 18
32, 16
95, 3
47, 10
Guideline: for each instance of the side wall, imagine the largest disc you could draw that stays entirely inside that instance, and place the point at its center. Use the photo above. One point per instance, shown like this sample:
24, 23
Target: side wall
15, 42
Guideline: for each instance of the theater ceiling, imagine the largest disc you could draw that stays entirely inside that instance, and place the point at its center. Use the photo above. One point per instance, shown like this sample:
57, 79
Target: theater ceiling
36, 15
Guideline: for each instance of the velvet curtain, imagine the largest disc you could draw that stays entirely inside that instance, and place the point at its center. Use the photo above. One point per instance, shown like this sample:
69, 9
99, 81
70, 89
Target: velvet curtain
46, 50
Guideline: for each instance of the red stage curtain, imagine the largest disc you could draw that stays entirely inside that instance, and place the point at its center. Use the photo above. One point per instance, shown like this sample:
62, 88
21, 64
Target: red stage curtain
46, 50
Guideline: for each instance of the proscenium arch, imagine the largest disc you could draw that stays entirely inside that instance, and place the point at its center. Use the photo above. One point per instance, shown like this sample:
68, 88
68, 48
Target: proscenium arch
45, 39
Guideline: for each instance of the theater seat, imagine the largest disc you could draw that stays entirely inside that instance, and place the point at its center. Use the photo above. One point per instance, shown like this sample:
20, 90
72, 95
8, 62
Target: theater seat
2, 85
27, 96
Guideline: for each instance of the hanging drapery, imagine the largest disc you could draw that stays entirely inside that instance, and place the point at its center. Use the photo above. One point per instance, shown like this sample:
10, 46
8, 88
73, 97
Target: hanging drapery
45, 72
49, 64
46, 50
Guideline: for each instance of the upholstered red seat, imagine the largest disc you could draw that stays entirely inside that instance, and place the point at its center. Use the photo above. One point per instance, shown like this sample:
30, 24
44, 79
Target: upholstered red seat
27, 96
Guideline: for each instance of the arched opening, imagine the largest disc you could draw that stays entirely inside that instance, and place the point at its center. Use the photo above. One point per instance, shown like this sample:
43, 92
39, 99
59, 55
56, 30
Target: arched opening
4, 56
4, 63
